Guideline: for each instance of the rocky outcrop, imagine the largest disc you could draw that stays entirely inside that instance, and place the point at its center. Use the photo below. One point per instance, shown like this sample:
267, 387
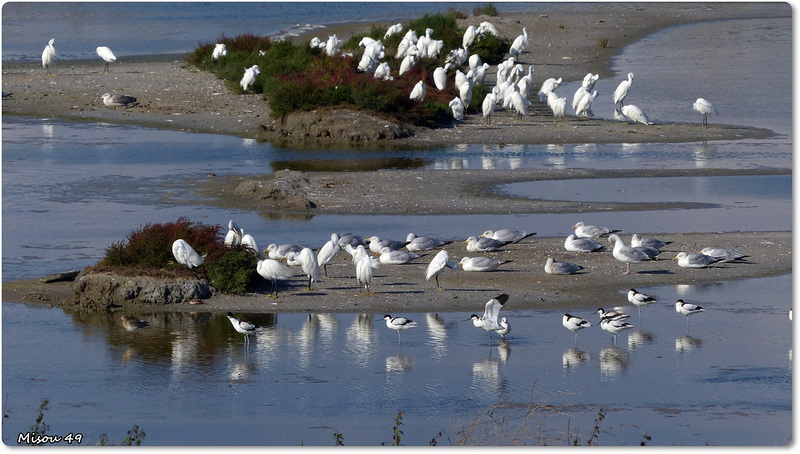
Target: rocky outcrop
99, 291
331, 125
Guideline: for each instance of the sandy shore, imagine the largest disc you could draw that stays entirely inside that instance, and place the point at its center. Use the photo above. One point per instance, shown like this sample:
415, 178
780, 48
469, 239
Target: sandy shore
178, 97
175, 96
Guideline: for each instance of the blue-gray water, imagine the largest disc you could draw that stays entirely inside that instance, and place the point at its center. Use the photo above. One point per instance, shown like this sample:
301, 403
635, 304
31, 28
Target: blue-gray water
72, 189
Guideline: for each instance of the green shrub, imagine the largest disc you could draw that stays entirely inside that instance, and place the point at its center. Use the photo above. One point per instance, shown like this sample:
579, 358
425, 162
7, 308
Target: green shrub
492, 49
489, 10
231, 270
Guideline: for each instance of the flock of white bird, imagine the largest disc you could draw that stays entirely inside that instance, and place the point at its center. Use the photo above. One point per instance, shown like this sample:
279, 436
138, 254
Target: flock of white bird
369, 253
512, 86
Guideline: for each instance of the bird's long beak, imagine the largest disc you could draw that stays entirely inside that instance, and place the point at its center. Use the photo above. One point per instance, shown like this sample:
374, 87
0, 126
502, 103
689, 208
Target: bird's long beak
674, 258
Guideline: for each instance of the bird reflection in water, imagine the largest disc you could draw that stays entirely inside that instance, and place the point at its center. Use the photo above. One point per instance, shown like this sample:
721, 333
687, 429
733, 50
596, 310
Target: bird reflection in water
574, 357
687, 343
437, 335
399, 363
639, 337
360, 340
613, 361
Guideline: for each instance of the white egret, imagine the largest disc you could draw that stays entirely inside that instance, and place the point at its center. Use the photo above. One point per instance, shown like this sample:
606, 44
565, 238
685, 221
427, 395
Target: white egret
440, 76
465, 92
328, 251
559, 107
622, 90
394, 29
408, 62
249, 242
220, 50
242, 326
584, 107
116, 100
548, 86
475, 61
626, 254
469, 36
107, 56
418, 92
705, 108
308, 262
437, 265
332, 46
186, 255
48, 55
249, 77
635, 115
382, 71
364, 268
273, 271
489, 103
234, 235
519, 44
457, 106
520, 105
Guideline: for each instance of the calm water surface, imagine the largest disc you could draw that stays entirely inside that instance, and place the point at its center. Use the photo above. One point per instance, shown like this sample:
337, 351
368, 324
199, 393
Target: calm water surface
188, 378
72, 189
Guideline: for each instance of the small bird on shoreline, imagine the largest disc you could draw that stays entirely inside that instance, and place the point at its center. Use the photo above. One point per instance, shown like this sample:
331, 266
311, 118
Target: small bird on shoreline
133, 325
242, 326
116, 100
399, 324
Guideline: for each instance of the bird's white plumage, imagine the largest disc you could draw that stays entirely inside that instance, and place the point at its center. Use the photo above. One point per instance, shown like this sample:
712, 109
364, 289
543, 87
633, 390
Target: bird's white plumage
692, 260
273, 271
622, 89
249, 77
638, 240
242, 326
724, 255
635, 114
703, 106
117, 100
490, 320
482, 244
574, 323
220, 50
49, 54
687, 309
480, 263
575, 244
107, 56
507, 235
422, 243
505, 328
583, 230
328, 251
640, 299
185, 254
390, 257
437, 266
626, 254
553, 266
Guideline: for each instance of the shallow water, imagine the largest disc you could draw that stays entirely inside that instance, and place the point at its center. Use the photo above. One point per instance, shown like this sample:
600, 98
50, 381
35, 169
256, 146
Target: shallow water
188, 378
72, 189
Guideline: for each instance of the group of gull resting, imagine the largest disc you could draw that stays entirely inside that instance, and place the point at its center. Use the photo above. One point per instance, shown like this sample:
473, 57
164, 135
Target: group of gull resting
368, 253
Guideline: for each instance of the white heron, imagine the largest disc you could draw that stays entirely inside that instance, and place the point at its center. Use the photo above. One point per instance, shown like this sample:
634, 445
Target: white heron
220, 50
396, 28
490, 319
704, 107
107, 56
328, 251
383, 71
48, 55
519, 104
308, 262
399, 324
186, 255
469, 36
465, 91
273, 271
250, 242
519, 44
408, 62
116, 100
584, 107
635, 114
559, 107
457, 106
364, 268
332, 46
622, 90
437, 266
440, 76
626, 254
548, 86
242, 326
234, 235
249, 77
418, 92
489, 103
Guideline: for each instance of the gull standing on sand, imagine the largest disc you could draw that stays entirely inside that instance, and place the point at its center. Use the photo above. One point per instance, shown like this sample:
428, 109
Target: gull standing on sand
48, 55
480, 263
591, 231
437, 265
691, 260
507, 235
626, 254
553, 266
575, 244
490, 318
107, 56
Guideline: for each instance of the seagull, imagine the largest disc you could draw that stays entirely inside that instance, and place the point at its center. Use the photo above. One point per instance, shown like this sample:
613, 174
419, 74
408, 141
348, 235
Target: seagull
438, 264
480, 263
399, 324
351, 239
489, 321
505, 328
640, 299
591, 231
422, 243
273, 270
687, 309
705, 108
637, 240
186, 255
106, 54
390, 257
553, 266
574, 324
376, 244
507, 235
575, 244
626, 254
242, 326
691, 260
614, 326
277, 252
133, 325
724, 255
116, 100
650, 251
475, 244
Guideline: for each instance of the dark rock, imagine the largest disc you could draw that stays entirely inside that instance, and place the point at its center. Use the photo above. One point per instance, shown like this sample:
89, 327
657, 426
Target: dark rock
59, 277
326, 125
99, 291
